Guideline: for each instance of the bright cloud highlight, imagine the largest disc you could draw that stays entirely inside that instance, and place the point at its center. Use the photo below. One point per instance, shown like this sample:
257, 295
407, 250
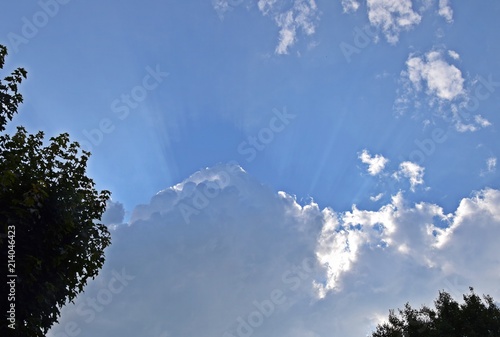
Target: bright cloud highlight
376, 164
441, 79
412, 171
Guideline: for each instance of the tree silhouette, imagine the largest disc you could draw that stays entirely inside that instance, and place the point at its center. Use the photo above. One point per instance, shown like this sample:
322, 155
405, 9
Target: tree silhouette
51, 241
473, 318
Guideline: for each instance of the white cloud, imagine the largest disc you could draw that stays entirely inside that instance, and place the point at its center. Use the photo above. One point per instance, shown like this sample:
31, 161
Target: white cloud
376, 164
377, 197
337, 251
453, 54
392, 16
477, 123
441, 79
287, 33
433, 84
463, 127
258, 257
481, 121
221, 7
265, 6
491, 166
350, 5
412, 171
475, 222
302, 16
445, 10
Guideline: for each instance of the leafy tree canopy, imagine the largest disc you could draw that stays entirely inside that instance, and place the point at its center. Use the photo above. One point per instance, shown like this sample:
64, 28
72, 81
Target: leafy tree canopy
473, 318
49, 213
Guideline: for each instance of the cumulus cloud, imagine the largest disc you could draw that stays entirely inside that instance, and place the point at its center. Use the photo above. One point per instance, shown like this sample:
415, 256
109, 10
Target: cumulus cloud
477, 218
420, 235
445, 10
252, 261
412, 171
376, 164
392, 17
434, 82
441, 79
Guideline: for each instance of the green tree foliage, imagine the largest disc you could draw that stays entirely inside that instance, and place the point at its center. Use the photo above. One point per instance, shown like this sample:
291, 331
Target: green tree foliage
10, 98
53, 210
473, 318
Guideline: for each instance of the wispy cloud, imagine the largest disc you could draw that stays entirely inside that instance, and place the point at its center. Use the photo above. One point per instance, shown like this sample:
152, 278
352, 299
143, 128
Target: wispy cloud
291, 16
412, 171
288, 32
377, 197
477, 123
302, 16
266, 6
350, 5
376, 164
221, 7
453, 54
481, 121
392, 17
445, 10
491, 166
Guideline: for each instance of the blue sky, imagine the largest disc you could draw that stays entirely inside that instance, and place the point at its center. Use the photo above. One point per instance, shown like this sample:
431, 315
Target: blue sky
360, 109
